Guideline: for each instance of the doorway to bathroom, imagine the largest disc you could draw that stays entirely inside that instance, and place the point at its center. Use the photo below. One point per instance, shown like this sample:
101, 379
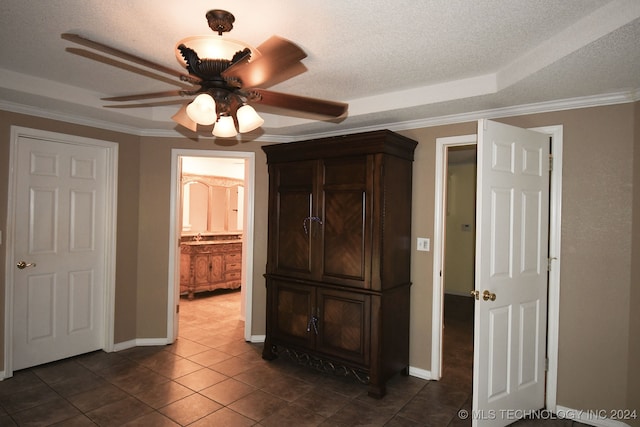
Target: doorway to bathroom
212, 229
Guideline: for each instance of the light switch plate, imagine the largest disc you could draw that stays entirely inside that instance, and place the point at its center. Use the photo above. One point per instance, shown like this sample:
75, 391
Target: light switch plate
424, 244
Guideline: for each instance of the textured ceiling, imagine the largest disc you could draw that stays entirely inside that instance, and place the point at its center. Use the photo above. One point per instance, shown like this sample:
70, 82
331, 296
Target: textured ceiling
393, 61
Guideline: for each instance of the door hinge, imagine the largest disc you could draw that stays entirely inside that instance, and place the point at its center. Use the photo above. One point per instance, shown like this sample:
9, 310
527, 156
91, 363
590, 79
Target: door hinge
550, 162
546, 364
177, 308
549, 262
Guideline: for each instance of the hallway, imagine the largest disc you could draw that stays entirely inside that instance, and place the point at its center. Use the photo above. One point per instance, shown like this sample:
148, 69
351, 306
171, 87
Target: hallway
212, 377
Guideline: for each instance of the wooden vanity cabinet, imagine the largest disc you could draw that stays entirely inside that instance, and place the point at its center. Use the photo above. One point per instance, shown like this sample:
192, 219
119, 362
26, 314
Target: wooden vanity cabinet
338, 258
207, 266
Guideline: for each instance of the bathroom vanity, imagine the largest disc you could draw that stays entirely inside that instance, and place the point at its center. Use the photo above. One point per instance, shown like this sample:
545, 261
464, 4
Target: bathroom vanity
210, 262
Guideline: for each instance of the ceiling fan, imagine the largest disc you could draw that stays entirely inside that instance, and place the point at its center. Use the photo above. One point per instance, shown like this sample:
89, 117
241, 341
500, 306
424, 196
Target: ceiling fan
225, 77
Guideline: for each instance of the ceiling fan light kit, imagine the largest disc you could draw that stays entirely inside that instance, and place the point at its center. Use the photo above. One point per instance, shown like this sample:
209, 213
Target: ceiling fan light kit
226, 76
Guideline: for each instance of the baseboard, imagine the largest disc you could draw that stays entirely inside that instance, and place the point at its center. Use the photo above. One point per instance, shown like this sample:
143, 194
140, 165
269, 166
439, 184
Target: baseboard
257, 339
420, 373
147, 342
140, 342
596, 418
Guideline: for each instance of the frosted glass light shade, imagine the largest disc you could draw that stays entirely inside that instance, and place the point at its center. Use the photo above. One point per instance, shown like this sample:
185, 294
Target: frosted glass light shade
213, 47
224, 127
248, 119
202, 109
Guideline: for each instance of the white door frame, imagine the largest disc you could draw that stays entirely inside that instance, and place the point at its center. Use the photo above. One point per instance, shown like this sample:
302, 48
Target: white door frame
555, 221
110, 234
173, 286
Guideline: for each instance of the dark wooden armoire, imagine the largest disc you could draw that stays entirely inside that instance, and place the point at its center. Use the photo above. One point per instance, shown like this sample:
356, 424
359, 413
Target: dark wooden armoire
339, 245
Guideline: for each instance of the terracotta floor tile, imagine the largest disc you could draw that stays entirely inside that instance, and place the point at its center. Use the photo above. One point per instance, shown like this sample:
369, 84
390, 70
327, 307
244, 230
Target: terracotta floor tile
92, 399
224, 417
227, 391
189, 409
118, 413
258, 405
201, 379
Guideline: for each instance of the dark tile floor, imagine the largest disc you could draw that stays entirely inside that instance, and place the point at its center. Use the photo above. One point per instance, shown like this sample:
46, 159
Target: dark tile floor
212, 377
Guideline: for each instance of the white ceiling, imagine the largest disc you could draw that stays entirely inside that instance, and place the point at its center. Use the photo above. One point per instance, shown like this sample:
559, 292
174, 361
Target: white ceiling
396, 62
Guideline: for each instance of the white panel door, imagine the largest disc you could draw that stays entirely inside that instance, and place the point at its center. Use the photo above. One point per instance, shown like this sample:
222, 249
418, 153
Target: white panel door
58, 292
512, 217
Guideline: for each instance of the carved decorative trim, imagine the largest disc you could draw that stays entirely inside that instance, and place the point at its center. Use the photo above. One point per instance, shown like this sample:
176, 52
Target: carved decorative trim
322, 365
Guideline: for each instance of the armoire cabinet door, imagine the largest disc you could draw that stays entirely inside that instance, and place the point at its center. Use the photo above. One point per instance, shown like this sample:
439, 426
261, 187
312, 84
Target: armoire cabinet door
344, 325
346, 218
293, 306
291, 223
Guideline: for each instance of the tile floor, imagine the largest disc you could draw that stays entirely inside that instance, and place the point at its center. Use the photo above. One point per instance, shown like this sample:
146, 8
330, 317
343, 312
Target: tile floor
212, 377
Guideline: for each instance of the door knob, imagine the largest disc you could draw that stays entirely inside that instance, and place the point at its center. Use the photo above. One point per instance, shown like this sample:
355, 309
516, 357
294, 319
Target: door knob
486, 295
22, 265
475, 294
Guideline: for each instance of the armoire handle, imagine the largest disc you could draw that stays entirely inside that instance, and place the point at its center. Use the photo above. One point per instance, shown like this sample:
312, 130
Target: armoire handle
309, 219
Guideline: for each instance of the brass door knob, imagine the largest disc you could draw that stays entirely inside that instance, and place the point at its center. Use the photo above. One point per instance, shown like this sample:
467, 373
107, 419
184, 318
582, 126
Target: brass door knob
488, 296
475, 294
22, 265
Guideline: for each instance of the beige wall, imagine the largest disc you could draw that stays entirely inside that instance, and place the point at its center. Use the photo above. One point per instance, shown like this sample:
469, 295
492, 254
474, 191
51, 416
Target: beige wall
598, 333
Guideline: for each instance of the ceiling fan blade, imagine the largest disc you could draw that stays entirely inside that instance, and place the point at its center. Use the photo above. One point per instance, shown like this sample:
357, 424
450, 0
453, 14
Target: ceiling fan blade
146, 104
145, 96
75, 38
276, 45
279, 60
183, 119
301, 103
124, 66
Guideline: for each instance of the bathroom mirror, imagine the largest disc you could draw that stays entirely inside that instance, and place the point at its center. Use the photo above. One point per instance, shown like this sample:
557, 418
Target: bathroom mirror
211, 204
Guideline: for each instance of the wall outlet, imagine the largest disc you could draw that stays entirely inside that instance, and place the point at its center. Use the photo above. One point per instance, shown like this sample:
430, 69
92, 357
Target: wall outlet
424, 244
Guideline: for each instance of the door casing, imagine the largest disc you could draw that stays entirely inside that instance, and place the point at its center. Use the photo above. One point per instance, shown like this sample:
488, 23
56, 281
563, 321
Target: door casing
555, 217
173, 286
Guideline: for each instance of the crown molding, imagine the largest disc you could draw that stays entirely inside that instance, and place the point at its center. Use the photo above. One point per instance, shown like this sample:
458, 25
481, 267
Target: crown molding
518, 110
